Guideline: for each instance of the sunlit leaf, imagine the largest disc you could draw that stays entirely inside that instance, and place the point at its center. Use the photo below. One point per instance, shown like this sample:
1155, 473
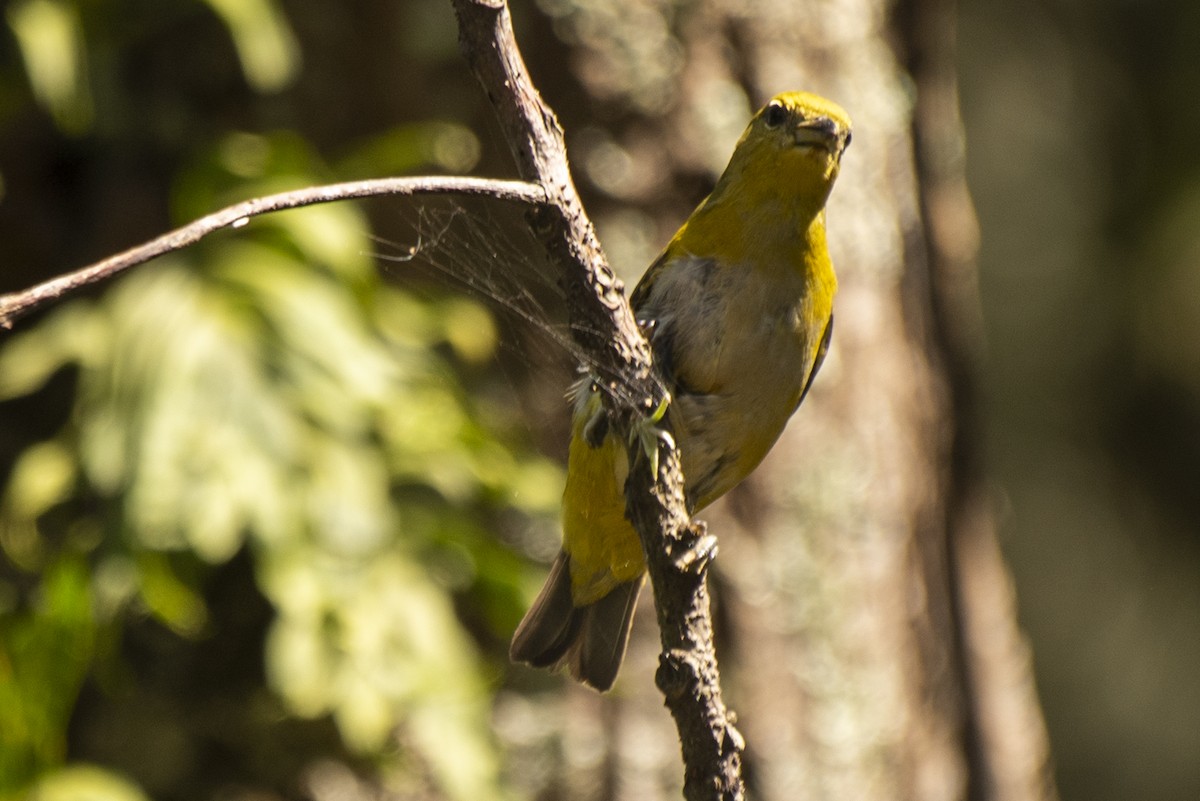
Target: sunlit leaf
264, 40
42, 477
398, 654
347, 499
470, 330
169, 599
44, 653
76, 334
86, 783
408, 148
52, 46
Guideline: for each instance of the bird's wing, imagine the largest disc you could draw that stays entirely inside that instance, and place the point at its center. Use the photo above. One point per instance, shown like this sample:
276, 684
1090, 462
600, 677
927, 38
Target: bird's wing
656, 302
822, 349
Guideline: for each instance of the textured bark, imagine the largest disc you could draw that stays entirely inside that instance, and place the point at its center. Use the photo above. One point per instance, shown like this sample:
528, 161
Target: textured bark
619, 356
1004, 738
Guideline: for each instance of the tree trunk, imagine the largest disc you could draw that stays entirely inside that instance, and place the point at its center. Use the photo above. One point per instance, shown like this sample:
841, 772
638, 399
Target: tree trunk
866, 623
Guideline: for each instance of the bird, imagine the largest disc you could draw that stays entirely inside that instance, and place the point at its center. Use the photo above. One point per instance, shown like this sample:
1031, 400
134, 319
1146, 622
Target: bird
738, 309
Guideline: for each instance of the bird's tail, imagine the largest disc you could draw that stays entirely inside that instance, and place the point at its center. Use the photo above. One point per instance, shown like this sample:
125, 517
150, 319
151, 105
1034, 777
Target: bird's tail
590, 639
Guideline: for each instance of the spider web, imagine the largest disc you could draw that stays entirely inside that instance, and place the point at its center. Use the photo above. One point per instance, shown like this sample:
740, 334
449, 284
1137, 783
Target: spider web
492, 256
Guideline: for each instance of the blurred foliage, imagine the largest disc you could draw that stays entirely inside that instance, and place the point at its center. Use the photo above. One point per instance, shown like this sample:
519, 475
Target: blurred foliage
85, 783
262, 398
53, 51
267, 393
265, 44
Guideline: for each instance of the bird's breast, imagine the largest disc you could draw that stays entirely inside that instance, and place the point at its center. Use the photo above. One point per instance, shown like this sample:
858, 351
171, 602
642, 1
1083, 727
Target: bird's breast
741, 344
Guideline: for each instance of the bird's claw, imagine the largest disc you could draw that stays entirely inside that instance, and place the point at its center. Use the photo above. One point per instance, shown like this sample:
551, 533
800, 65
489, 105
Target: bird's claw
697, 555
649, 436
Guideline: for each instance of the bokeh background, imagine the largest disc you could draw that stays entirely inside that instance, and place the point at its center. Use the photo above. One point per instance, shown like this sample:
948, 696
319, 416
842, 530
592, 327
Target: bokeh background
233, 566
1078, 116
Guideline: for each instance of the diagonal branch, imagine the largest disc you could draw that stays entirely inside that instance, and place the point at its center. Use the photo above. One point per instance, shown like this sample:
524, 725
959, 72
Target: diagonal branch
16, 305
677, 551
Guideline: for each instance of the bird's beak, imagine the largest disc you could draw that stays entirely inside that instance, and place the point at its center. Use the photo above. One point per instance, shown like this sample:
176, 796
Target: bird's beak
822, 132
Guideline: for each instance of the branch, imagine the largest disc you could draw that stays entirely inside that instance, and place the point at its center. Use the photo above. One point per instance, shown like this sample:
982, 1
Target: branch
16, 305
677, 552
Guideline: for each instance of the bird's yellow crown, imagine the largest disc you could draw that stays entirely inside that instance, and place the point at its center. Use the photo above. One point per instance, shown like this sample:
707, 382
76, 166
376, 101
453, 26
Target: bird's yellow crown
777, 180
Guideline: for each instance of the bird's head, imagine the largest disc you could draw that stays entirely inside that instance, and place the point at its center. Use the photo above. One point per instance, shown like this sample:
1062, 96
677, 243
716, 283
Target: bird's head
792, 148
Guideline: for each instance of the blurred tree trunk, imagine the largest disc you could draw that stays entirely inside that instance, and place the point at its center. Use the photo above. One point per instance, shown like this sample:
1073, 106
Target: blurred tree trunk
866, 621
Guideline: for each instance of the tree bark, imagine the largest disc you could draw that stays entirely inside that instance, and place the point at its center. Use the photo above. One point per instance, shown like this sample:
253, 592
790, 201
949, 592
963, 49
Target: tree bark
865, 621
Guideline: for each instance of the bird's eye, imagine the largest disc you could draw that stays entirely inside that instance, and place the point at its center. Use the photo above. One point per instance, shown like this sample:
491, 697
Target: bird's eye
849, 136
775, 115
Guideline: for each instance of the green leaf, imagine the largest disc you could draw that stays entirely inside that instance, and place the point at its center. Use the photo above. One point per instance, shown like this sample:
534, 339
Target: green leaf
375, 642
169, 599
86, 783
43, 476
44, 653
74, 334
406, 149
52, 47
265, 43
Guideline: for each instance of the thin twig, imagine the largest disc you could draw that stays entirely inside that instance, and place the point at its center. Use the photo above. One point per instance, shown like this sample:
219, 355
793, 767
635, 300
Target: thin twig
15, 305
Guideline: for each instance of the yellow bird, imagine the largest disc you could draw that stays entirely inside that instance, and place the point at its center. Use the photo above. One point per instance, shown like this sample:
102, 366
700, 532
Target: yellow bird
739, 311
